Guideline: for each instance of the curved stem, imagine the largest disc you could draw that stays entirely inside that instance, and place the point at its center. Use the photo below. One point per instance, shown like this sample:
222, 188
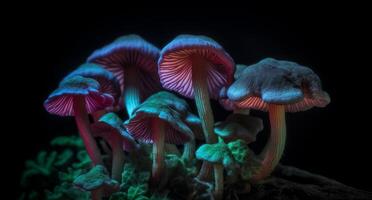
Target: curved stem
132, 96
201, 93
82, 122
189, 151
157, 150
274, 148
218, 181
117, 159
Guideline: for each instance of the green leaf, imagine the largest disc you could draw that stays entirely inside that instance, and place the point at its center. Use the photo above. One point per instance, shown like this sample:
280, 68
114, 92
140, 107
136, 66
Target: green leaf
68, 141
240, 151
134, 192
84, 160
43, 166
66, 191
70, 175
64, 157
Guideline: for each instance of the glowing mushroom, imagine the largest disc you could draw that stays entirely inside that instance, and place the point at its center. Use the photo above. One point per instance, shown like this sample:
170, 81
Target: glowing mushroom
106, 79
133, 61
78, 96
277, 87
158, 120
197, 67
110, 128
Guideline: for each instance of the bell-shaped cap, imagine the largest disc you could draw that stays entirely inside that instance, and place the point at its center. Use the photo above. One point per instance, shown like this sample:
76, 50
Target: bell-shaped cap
166, 107
61, 101
131, 51
175, 64
108, 83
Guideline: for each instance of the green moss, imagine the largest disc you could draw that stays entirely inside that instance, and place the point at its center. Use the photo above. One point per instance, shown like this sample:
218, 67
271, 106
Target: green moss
240, 151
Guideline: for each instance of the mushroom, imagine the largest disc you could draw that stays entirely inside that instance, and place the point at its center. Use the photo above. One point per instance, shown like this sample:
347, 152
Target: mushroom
197, 67
277, 87
158, 120
97, 182
220, 156
106, 79
133, 61
78, 96
239, 126
111, 129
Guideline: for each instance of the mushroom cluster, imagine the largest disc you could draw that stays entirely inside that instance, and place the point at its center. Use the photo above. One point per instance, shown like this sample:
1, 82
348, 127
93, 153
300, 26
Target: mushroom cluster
131, 77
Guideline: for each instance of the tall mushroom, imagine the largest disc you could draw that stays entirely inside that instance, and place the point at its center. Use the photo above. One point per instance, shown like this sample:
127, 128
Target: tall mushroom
277, 87
133, 61
110, 128
158, 120
79, 96
197, 67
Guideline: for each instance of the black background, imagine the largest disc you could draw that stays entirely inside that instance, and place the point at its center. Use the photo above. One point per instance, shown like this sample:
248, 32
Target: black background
333, 141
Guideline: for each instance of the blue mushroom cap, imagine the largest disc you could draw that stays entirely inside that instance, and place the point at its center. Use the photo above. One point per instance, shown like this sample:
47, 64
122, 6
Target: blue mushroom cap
272, 81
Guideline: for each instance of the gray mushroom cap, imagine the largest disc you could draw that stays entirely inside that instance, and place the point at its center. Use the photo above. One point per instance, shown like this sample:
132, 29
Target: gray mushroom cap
272, 81
239, 126
168, 108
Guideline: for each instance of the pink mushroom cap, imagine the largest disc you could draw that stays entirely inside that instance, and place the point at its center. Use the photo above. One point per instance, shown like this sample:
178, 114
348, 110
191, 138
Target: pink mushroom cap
130, 50
175, 65
61, 101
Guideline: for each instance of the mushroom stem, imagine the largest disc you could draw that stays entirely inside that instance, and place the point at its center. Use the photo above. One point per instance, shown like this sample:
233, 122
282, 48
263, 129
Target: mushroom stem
218, 181
82, 122
201, 93
96, 194
189, 151
274, 148
117, 159
132, 96
157, 150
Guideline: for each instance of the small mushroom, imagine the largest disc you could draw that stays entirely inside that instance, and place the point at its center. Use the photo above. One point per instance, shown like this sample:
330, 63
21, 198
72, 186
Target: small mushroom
158, 120
106, 79
97, 182
197, 67
133, 61
78, 96
220, 156
239, 126
277, 87
110, 128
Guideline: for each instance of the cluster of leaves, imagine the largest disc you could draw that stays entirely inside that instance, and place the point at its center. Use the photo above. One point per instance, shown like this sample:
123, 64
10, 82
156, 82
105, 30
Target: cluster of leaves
51, 175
